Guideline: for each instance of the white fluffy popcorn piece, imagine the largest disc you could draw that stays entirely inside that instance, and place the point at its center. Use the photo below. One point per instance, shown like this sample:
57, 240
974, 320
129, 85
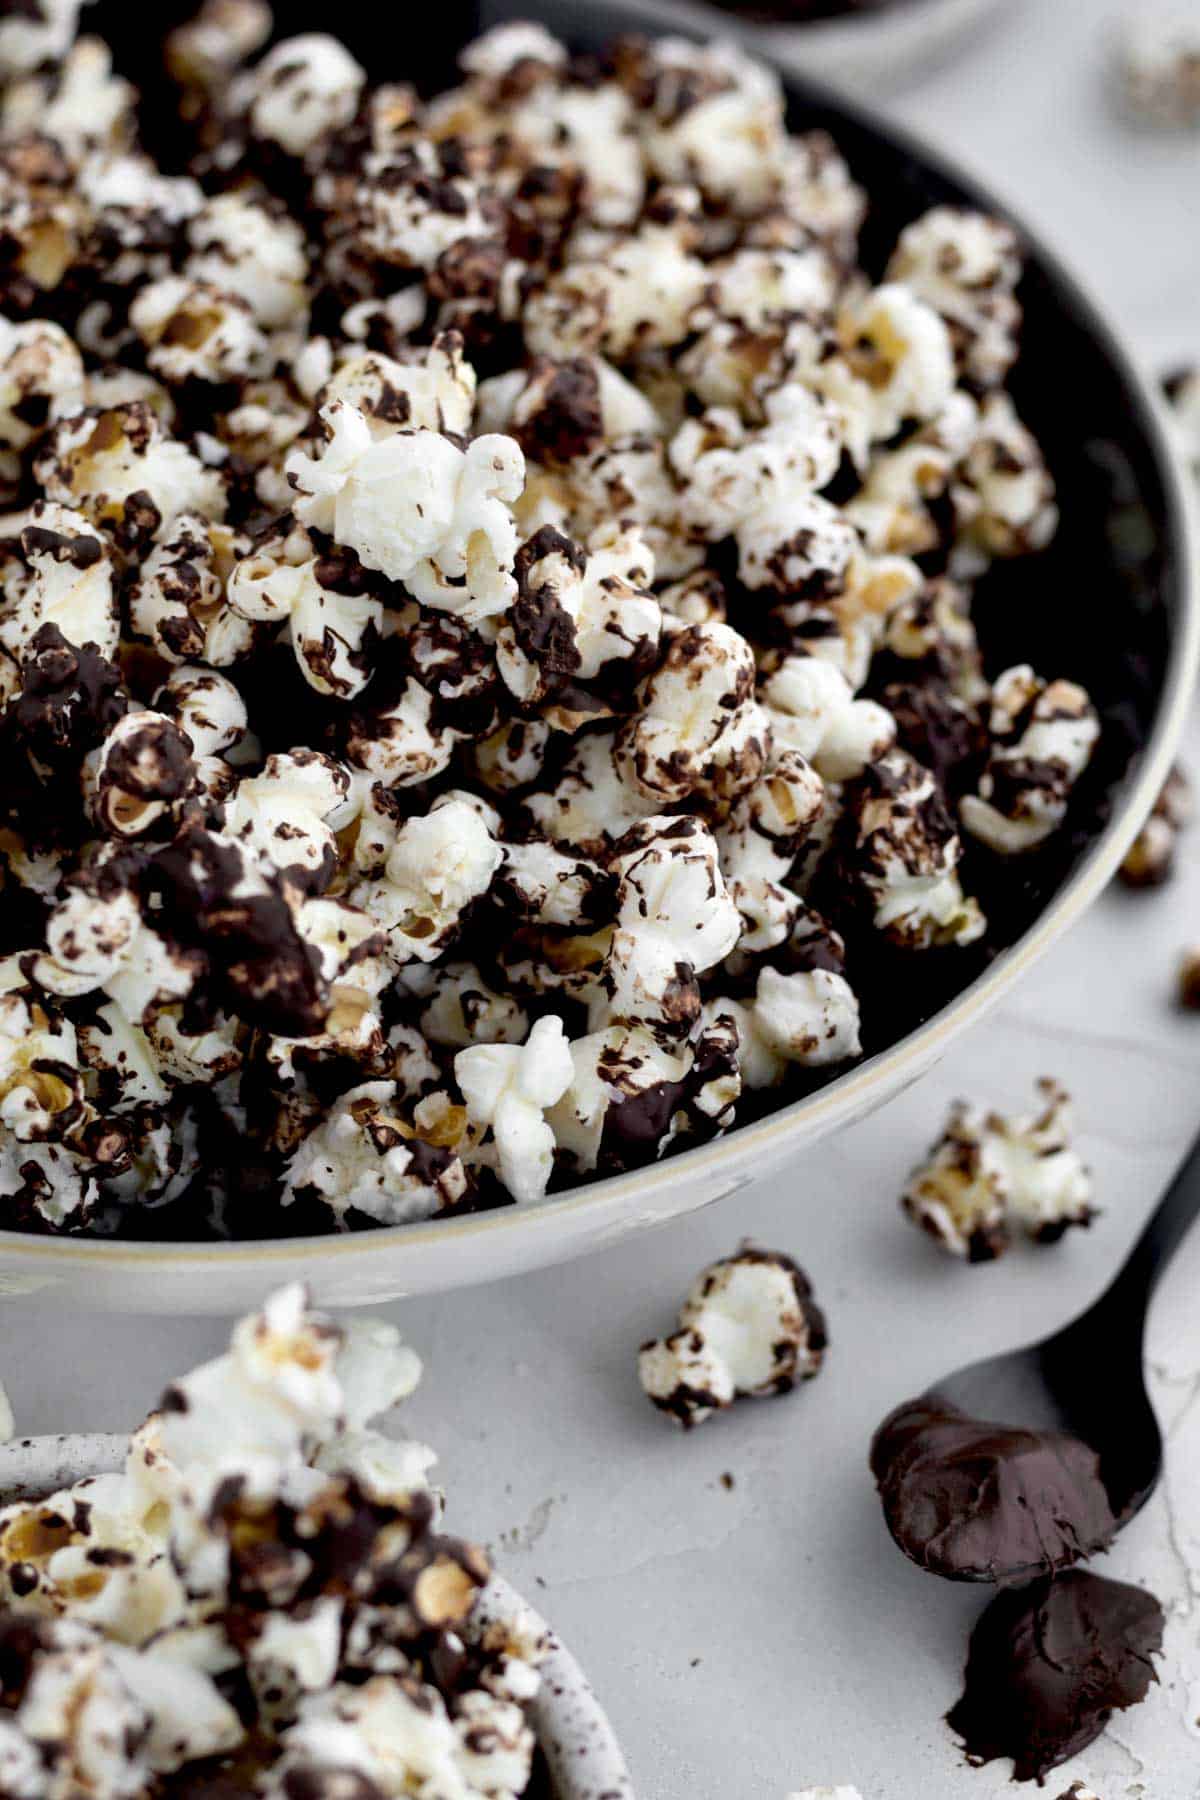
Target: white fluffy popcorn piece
287, 817
698, 729
179, 600
748, 1327
63, 577
904, 854
194, 331
40, 34
716, 120
901, 350
140, 775
241, 245
440, 863
398, 1737
304, 88
1005, 494
104, 1719
364, 1155
767, 830
1157, 59
333, 633
418, 508
966, 265
990, 1171
812, 710
40, 367
1043, 735
675, 919
809, 1017
122, 470
509, 1088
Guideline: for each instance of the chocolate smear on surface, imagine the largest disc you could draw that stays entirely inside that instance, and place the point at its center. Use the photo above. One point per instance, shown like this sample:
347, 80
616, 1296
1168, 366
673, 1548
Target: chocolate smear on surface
976, 1501
1048, 1666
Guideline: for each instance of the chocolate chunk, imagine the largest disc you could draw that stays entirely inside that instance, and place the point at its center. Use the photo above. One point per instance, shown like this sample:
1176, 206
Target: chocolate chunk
1049, 1665
976, 1501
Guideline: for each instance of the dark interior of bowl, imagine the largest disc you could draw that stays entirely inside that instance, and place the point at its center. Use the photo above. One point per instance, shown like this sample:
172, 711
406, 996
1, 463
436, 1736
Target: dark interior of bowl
1098, 606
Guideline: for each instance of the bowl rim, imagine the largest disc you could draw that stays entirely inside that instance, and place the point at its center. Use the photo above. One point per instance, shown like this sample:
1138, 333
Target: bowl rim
888, 1070
572, 1729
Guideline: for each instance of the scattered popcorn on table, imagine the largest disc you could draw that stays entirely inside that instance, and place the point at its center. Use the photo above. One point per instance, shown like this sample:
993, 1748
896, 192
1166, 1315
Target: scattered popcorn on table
457, 744
749, 1327
1158, 64
262, 1598
1151, 857
990, 1171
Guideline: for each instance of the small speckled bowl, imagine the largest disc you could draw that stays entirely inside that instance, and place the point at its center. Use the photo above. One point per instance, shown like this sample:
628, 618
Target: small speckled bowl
576, 1739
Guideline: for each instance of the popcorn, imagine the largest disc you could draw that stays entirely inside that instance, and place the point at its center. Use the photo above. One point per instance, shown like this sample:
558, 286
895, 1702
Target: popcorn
419, 509
508, 1088
241, 246
179, 601
989, 1170
812, 711
1151, 857
262, 1537
332, 631
1043, 735
121, 469
698, 730
439, 864
43, 34
63, 580
304, 88
809, 1017
140, 775
41, 371
365, 1157
967, 267
481, 572
674, 920
1157, 51
629, 1099
904, 852
749, 1327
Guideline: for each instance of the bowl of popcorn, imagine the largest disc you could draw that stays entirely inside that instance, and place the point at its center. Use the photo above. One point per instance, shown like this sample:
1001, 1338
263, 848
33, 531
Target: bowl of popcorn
255, 1594
562, 633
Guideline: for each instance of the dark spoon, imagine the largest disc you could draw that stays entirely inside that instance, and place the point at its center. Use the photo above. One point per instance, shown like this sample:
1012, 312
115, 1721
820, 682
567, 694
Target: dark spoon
1088, 1379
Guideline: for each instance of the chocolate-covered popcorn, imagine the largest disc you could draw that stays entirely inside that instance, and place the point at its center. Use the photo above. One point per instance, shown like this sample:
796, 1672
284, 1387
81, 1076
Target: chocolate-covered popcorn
748, 1327
1042, 736
263, 1592
990, 1171
488, 665
1150, 859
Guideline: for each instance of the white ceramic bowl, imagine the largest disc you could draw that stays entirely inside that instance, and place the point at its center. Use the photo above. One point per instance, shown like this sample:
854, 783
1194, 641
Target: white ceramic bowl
1127, 565
582, 1753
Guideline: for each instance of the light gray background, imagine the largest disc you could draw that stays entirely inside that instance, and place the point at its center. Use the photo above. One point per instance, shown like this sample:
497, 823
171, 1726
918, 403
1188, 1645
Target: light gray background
759, 1639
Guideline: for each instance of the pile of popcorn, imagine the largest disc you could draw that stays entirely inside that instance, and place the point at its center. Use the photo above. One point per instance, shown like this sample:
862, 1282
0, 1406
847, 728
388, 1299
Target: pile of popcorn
486, 617
264, 1592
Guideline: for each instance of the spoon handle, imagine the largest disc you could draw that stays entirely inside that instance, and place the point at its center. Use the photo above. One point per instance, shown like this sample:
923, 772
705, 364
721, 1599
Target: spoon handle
1165, 1230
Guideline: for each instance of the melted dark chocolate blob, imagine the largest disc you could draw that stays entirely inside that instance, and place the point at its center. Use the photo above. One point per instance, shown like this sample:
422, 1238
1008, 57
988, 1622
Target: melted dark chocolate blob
1050, 1664
975, 1501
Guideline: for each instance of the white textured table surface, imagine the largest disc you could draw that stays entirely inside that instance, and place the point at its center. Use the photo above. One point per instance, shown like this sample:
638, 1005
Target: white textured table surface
764, 1637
